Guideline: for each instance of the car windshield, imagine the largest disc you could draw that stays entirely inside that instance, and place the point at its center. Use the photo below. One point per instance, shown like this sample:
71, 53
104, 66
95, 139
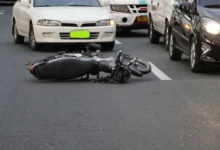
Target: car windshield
50, 3
214, 3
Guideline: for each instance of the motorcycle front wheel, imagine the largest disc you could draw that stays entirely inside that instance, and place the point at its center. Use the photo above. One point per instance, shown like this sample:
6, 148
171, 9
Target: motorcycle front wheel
143, 66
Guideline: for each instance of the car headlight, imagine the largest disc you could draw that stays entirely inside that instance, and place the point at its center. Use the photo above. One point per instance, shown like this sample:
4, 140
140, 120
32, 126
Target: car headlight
210, 26
43, 22
120, 8
109, 22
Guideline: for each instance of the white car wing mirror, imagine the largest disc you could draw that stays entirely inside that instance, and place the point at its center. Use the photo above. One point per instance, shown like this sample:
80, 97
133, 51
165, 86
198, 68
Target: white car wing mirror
105, 3
25, 2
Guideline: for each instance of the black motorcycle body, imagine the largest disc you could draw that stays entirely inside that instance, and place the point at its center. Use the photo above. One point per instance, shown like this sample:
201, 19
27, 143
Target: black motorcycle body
75, 65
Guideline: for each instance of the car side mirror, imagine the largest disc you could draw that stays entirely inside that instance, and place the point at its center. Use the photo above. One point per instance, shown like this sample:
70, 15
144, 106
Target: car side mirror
105, 3
25, 3
185, 7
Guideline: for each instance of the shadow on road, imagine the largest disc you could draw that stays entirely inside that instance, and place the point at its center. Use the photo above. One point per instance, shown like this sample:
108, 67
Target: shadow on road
209, 68
133, 80
66, 47
131, 34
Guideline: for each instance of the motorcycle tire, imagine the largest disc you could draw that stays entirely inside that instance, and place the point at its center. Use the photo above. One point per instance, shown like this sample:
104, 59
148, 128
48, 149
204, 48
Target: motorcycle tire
146, 65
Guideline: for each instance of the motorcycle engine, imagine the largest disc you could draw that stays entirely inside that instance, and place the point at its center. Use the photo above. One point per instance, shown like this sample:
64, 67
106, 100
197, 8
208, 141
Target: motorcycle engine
121, 75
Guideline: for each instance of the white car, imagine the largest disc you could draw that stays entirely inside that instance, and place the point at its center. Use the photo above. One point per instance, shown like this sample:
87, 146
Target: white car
128, 14
62, 21
160, 14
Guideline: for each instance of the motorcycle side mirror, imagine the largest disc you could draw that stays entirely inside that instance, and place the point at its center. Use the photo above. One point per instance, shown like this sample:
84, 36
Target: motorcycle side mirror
98, 52
185, 7
176, 5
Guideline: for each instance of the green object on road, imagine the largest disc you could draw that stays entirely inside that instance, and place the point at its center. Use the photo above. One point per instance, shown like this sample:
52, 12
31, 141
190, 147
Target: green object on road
80, 34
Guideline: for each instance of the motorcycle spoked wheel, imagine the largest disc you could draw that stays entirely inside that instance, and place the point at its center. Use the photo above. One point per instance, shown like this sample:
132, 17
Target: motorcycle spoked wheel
143, 66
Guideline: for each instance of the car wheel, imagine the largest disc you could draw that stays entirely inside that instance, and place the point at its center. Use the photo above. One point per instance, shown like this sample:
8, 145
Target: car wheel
153, 35
17, 38
126, 30
195, 62
108, 46
32, 42
174, 53
166, 36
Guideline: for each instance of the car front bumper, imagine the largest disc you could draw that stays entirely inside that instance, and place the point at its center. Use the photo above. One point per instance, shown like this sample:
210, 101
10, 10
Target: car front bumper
126, 20
210, 47
48, 34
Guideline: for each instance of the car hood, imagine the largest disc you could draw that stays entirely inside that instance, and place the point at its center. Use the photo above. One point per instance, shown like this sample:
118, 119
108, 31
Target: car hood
129, 2
211, 13
74, 14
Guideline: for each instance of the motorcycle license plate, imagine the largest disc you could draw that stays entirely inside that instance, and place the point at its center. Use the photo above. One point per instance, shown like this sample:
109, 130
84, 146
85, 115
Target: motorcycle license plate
142, 19
80, 34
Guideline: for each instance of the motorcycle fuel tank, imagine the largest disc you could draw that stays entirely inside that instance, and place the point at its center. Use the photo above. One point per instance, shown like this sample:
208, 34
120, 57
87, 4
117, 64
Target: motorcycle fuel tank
64, 68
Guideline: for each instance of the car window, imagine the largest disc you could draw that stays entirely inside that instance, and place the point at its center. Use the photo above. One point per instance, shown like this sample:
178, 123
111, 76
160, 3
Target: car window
209, 2
91, 3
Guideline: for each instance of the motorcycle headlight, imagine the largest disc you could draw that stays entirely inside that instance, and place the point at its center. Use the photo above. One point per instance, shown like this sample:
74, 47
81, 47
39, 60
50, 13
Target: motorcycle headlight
109, 22
210, 26
120, 8
43, 22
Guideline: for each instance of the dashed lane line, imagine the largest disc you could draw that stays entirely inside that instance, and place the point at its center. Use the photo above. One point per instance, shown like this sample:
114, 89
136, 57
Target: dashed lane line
117, 42
2, 12
156, 71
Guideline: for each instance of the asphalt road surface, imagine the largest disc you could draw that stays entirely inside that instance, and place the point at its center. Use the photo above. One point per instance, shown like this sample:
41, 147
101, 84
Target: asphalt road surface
169, 109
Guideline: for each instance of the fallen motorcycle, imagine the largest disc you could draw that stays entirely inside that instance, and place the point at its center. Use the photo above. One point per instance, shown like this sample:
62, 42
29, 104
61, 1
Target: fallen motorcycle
64, 66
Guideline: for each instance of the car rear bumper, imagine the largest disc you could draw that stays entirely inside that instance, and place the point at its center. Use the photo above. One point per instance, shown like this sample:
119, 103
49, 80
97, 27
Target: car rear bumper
125, 20
45, 34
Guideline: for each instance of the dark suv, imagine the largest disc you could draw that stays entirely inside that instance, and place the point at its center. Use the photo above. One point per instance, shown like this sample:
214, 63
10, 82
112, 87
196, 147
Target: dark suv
195, 31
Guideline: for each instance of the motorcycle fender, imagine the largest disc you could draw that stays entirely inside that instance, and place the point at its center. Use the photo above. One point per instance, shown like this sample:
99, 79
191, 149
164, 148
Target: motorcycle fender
65, 68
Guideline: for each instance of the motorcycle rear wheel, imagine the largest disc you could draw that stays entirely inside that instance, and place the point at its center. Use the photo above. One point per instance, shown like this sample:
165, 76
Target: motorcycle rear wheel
143, 66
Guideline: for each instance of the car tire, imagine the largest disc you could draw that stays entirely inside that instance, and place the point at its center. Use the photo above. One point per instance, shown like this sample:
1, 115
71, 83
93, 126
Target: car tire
109, 46
18, 39
196, 65
153, 34
166, 36
126, 30
174, 53
32, 42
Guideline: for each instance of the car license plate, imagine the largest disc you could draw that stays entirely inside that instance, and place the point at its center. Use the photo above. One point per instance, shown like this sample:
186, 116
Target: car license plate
142, 19
80, 34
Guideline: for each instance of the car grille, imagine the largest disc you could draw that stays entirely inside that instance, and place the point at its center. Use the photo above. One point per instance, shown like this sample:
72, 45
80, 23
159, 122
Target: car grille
76, 25
66, 35
135, 9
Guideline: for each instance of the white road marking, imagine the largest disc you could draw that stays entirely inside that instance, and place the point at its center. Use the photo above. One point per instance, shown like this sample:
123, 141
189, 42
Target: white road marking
117, 42
159, 73
1, 13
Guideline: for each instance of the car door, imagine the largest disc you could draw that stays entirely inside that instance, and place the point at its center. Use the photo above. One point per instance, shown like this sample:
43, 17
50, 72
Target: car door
177, 26
161, 15
24, 17
154, 10
17, 14
185, 25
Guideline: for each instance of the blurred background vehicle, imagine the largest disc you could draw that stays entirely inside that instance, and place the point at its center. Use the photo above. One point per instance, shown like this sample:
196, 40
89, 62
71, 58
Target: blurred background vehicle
160, 12
128, 14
